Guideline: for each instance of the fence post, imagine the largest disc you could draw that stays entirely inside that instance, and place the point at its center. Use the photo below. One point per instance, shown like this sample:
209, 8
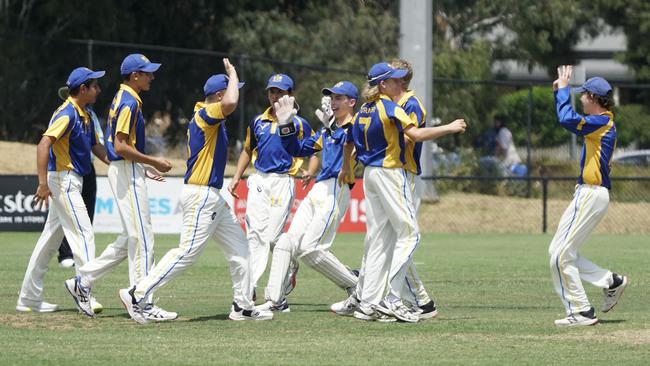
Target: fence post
529, 128
241, 130
544, 203
89, 49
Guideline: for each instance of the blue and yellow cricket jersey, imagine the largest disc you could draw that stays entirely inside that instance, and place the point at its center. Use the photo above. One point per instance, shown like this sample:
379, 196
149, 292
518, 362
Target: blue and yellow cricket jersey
207, 145
125, 116
263, 139
599, 132
331, 143
415, 110
75, 136
378, 133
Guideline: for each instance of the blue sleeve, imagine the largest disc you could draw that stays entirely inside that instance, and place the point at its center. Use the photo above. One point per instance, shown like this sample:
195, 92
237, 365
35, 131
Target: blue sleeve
305, 147
306, 128
413, 110
572, 121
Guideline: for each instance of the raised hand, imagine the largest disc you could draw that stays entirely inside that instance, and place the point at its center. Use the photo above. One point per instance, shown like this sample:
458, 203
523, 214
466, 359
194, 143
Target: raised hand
563, 76
284, 110
230, 69
325, 113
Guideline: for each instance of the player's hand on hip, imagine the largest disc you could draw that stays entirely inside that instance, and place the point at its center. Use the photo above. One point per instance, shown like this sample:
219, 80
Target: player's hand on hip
163, 165
152, 174
41, 196
458, 125
563, 76
232, 188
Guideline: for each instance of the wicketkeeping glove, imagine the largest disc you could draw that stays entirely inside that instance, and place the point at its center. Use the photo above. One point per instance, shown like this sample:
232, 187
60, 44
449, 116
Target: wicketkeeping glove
325, 114
285, 112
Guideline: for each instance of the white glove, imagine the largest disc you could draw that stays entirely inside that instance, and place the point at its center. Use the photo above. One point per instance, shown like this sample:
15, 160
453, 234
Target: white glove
325, 114
284, 110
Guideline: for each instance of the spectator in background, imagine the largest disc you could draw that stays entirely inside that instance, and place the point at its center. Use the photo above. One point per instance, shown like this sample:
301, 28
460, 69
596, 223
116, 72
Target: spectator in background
155, 131
504, 147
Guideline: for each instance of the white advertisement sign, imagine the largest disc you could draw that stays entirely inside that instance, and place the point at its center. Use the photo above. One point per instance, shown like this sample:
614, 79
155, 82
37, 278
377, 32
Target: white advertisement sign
164, 205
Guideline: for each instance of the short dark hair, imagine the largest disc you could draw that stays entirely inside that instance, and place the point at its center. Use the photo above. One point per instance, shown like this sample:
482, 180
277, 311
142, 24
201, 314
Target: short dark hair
606, 101
75, 91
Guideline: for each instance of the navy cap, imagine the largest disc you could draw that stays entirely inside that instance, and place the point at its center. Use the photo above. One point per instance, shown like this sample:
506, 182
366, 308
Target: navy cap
595, 85
217, 83
344, 88
383, 71
280, 81
137, 62
80, 75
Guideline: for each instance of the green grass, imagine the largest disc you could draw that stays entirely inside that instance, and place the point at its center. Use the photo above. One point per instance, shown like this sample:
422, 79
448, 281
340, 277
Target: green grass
494, 295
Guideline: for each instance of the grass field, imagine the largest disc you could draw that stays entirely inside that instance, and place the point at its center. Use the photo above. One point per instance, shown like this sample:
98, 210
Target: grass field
494, 295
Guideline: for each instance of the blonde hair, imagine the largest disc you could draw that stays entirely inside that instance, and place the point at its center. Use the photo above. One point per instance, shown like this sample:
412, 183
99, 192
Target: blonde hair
400, 63
370, 92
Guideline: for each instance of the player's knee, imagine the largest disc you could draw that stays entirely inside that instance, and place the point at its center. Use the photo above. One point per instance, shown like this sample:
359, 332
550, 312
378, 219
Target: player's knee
312, 258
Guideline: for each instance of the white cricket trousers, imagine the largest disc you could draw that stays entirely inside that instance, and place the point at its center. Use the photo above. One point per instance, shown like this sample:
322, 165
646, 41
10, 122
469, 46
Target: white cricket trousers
414, 292
568, 267
310, 238
389, 207
270, 197
67, 216
127, 181
206, 214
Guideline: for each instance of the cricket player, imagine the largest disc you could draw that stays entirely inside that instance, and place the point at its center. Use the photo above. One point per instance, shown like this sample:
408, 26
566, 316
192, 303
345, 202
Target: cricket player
63, 158
125, 144
414, 293
271, 189
314, 224
378, 137
206, 213
590, 200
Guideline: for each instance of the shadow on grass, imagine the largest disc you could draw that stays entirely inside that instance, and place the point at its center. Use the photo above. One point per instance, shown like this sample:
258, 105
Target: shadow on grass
207, 318
611, 321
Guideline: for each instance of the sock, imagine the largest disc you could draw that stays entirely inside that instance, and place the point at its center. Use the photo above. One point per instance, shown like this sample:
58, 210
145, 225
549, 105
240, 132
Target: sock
617, 281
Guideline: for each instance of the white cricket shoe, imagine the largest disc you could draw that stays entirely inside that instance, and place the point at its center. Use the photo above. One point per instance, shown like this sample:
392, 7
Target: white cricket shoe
369, 313
346, 307
131, 306
67, 263
239, 314
581, 318
398, 310
155, 313
611, 296
80, 295
282, 307
26, 306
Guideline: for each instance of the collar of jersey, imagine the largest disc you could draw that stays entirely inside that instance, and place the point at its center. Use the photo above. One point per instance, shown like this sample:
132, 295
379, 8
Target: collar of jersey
266, 116
409, 93
82, 112
608, 114
384, 96
199, 105
130, 90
